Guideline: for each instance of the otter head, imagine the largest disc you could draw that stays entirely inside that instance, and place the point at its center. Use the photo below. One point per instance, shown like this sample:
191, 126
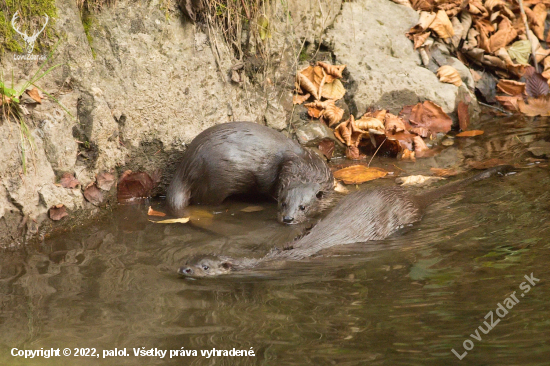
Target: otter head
299, 201
206, 266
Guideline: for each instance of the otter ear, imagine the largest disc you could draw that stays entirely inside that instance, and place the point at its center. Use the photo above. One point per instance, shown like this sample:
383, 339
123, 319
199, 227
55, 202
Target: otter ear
319, 194
226, 265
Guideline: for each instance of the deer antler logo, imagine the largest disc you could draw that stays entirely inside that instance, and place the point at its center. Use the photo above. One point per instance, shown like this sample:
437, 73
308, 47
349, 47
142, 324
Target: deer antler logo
29, 41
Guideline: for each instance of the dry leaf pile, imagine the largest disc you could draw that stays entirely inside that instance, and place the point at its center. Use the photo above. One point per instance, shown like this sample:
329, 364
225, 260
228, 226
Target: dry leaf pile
490, 35
319, 82
391, 135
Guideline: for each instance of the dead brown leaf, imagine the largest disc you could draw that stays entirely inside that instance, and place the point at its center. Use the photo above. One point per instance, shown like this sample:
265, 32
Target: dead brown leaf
299, 99
420, 38
535, 106
334, 90
539, 14
511, 87
353, 153
152, 212
93, 194
35, 94
430, 116
442, 25
510, 103
326, 146
463, 115
335, 71
327, 110
505, 34
448, 74
470, 133
105, 181
440, 172
366, 123
394, 124
307, 85
408, 155
134, 186
68, 181
58, 212
357, 174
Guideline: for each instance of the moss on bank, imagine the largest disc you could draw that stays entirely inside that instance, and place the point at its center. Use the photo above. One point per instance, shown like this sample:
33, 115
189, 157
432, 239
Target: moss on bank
31, 19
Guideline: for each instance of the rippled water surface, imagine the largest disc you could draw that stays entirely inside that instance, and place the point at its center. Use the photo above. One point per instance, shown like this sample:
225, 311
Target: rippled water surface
407, 300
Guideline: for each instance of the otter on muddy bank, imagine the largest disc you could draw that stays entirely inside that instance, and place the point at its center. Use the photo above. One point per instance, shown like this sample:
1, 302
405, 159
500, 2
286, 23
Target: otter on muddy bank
359, 217
243, 157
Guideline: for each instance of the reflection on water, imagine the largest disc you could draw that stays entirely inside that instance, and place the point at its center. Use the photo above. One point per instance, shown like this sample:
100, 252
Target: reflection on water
407, 300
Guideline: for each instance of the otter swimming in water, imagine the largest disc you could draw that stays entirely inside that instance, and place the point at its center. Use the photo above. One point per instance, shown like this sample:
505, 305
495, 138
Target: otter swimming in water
368, 214
244, 157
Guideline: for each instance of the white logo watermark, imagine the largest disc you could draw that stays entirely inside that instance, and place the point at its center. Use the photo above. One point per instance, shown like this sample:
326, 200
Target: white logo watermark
29, 40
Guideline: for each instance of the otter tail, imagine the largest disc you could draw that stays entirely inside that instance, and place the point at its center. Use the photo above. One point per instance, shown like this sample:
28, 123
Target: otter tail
177, 196
428, 198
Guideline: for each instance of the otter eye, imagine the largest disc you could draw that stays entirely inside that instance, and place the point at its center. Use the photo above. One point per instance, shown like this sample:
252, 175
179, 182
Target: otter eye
205, 267
302, 207
319, 195
283, 205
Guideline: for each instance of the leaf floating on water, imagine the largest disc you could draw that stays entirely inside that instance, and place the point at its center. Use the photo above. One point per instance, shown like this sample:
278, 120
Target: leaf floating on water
357, 174
152, 212
58, 212
181, 220
417, 180
470, 133
252, 209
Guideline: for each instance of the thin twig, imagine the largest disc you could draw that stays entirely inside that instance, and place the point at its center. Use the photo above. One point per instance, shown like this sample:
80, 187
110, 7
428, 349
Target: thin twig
373, 155
529, 35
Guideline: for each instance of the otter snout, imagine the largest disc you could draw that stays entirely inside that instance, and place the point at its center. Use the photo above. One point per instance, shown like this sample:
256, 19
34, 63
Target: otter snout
186, 271
288, 219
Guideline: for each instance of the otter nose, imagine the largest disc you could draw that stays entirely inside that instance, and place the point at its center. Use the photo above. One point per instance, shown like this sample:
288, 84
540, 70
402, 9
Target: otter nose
288, 219
185, 271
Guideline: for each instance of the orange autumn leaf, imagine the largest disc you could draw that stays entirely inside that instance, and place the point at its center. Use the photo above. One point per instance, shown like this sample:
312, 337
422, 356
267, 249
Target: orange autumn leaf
299, 99
35, 94
535, 106
510, 103
463, 115
334, 71
505, 34
430, 116
357, 174
511, 87
470, 133
152, 212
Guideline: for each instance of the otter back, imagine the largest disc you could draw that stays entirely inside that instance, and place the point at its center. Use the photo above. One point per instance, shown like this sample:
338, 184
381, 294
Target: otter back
243, 157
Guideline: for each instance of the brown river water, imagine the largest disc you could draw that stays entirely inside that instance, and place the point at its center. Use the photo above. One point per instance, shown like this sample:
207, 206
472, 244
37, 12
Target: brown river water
408, 300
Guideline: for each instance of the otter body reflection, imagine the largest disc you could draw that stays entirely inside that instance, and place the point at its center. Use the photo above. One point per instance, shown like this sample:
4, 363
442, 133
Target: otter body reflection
245, 157
368, 215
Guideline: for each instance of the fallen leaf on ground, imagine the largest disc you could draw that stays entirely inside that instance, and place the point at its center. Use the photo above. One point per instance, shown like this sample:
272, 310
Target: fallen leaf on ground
68, 181
93, 194
252, 209
332, 70
448, 74
105, 181
441, 172
334, 90
357, 174
35, 94
470, 133
299, 99
510, 103
463, 116
408, 155
430, 116
535, 106
416, 180
394, 124
442, 25
134, 186
181, 220
353, 153
536, 86
326, 146
511, 87
152, 212
369, 123
308, 85
58, 212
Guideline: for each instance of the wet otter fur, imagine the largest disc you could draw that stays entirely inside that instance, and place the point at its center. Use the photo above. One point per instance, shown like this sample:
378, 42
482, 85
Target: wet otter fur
368, 214
245, 157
